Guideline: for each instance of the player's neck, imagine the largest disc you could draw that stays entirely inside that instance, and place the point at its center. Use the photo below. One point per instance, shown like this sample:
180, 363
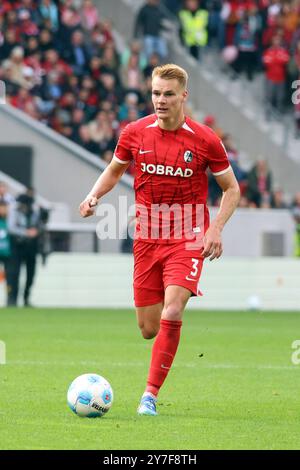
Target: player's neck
171, 124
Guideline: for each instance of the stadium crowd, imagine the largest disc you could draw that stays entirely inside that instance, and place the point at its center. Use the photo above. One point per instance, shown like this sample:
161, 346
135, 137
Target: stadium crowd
60, 64
252, 36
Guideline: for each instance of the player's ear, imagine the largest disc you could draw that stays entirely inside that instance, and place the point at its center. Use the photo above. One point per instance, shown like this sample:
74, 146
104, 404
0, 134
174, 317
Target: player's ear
185, 95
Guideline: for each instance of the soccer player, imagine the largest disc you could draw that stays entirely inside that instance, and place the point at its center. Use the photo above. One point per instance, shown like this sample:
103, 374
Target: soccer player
171, 154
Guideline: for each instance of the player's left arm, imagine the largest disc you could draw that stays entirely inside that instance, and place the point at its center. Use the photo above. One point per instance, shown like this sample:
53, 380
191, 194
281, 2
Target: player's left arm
230, 199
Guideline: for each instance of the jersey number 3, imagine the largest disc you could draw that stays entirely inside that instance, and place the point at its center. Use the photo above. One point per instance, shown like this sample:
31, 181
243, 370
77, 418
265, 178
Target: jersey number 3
194, 270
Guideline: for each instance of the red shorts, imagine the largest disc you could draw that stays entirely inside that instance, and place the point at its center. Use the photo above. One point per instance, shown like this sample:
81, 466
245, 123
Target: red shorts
157, 266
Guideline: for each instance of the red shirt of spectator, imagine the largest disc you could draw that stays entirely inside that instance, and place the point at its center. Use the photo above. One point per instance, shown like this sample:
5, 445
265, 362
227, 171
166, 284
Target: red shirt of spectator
27, 27
5, 7
53, 62
275, 60
22, 99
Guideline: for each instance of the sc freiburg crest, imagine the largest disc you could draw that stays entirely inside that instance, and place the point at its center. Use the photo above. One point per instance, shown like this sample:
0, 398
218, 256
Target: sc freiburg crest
188, 156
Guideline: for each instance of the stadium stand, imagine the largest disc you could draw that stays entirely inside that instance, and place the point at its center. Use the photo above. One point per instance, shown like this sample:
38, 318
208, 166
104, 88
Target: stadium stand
62, 65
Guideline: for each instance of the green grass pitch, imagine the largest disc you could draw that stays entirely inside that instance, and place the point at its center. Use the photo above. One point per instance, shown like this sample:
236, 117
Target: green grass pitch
233, 384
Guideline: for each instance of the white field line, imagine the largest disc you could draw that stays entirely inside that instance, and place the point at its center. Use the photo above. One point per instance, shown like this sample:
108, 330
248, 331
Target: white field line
142, 364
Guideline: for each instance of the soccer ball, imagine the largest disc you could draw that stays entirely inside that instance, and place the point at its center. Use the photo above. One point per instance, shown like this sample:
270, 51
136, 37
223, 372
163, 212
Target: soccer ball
90, 395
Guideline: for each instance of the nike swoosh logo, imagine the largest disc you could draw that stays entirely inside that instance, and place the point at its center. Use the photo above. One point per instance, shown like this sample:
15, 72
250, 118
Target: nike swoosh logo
190, 279
164, 367
145, 151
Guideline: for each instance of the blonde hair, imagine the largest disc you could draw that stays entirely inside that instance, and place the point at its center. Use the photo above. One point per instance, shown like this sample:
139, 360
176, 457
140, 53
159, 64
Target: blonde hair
171, 71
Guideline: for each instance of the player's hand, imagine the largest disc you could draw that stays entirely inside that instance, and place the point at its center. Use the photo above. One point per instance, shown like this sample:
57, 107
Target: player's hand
212, 243
87, 207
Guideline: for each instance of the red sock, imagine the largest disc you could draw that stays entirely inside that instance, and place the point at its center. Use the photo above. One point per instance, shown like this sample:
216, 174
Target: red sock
163, 353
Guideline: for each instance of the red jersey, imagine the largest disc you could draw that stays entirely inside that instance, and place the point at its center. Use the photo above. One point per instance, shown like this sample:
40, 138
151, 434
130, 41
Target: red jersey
170, 170
275, 60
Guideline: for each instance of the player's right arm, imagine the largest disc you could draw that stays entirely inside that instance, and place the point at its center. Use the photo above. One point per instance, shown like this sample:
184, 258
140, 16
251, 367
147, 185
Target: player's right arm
106, 181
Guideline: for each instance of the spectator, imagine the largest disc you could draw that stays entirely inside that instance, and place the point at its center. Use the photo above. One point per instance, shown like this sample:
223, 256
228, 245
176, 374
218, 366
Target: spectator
84, 139
23, 227
70, 21
77, 55
240, 174
16, 65
211, 122
29, 7
296, 215
9, 43
215, 23
101, 132
135, 48
11, 23
172, 5
277, 200
5, 251
193, 21
6, 74
83, 103
130, 102
90, 15
95, 67
230, 147
265, 202
109, 59
90, 85
246, 42
23, 100
110, 91
290, 18
51, 89
100, 37
27, 27
77, 119
243, 203
149, 23
259, 183
34, 63
48, 11
46, 41
54, 63
275, 60
107, 156
5, 195
131, 74
153, 62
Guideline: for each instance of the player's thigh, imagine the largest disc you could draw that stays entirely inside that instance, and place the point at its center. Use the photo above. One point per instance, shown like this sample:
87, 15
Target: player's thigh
183, 268
148, 319
148, 276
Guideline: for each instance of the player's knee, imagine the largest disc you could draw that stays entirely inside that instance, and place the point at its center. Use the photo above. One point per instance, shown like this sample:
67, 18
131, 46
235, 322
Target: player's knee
173, 311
